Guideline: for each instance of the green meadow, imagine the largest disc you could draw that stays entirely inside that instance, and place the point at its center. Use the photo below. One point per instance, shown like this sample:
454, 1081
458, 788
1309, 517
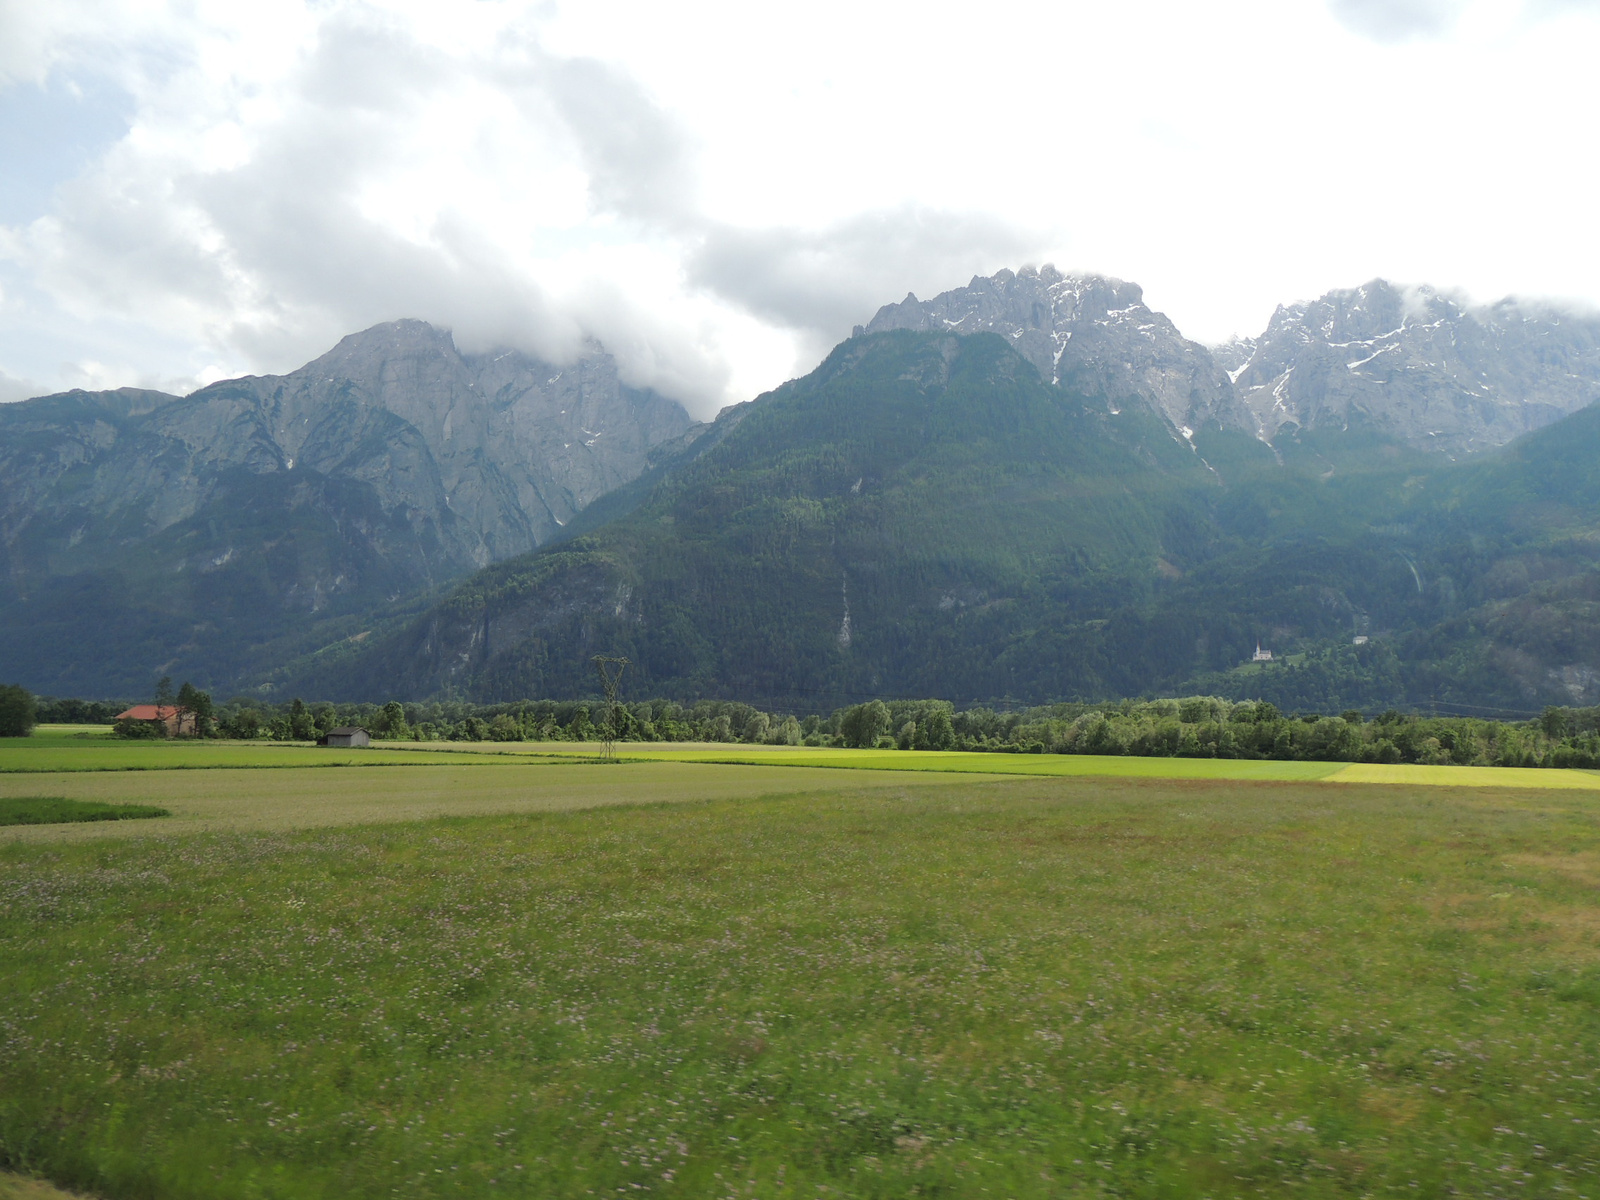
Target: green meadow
231, 800
500, 976
74, 748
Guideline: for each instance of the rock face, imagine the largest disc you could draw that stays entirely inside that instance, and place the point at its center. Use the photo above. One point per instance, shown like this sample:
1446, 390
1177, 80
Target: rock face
486, 455
144, 534
1090, 330
1417, 365
1407, 363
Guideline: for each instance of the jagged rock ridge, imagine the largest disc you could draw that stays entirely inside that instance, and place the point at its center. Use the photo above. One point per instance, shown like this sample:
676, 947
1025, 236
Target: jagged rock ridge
142, 532
1091, 329
491, 453
1412, 364
1418, 365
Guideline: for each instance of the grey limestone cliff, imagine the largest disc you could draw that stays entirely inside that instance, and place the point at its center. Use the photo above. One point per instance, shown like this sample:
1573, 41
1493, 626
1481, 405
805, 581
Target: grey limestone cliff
141, 531
1417, 365
1411, 364
1088, 329
490, 453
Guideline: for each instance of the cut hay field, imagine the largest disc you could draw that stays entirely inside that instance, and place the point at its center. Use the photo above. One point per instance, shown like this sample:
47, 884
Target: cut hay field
937, 985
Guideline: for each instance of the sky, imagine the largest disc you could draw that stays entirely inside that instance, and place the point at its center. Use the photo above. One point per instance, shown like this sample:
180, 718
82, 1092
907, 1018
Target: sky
717, 191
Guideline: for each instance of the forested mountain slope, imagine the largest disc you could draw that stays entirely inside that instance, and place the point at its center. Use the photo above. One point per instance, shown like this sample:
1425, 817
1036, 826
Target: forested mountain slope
143, 534
875, 526
1108, 509
925, 516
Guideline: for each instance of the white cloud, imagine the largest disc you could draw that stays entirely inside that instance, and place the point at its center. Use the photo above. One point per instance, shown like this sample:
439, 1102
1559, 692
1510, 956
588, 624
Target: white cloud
16, 389
717, 190
1398, 20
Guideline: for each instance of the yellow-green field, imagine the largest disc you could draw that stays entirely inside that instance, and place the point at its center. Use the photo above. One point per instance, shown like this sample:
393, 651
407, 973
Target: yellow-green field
1445, 776
1080, 765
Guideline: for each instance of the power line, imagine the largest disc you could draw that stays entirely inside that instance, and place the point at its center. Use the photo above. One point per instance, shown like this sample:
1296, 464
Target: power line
610, 670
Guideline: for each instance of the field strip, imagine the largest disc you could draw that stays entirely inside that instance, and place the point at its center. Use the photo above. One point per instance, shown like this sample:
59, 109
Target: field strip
1130, 767
964, 762
247, 800
1448, 776
104, 755
64, 755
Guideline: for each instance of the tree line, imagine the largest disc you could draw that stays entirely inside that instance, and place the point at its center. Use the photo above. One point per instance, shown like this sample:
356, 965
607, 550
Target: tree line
1192, 727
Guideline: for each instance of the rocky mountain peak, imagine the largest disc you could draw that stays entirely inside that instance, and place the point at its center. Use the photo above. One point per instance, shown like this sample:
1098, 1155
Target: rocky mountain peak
1420, 365
509, 447
1092, 330
380, 469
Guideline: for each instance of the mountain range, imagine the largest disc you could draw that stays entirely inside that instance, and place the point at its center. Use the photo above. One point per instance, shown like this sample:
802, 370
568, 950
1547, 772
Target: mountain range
1031, 488
1407, 363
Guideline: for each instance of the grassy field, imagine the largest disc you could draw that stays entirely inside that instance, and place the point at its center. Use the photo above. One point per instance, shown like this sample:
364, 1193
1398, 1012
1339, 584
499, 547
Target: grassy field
937, 985
243, 800
1003, 764
87, 748
50, 750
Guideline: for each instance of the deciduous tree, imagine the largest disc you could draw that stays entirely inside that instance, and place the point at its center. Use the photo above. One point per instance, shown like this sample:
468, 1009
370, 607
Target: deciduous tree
17, 711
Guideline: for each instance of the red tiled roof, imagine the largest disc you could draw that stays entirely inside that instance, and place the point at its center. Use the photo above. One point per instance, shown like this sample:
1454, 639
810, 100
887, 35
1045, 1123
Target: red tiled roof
149, 712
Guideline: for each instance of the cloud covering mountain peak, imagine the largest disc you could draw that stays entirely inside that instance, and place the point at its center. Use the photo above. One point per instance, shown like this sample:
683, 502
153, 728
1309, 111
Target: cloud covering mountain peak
716, 192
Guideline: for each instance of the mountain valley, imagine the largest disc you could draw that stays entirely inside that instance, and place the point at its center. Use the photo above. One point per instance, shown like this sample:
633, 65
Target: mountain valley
1027, 489
925, 516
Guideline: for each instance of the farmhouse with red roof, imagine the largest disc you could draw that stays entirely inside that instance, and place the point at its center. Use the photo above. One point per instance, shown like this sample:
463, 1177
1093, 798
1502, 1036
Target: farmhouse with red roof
178, 722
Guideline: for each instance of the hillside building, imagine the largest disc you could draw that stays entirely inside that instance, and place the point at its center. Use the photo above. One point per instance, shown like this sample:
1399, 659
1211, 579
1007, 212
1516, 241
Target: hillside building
1261, 655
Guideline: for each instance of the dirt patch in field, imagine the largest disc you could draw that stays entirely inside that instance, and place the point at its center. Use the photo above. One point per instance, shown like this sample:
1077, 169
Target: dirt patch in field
1393, 1108
18, 1187
1581, 868
1570, 929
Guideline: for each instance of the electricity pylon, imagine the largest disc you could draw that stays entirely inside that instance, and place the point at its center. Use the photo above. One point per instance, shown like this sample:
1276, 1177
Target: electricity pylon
610, 670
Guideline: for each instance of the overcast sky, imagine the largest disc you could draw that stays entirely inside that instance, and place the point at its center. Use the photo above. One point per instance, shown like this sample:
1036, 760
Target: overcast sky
717, 190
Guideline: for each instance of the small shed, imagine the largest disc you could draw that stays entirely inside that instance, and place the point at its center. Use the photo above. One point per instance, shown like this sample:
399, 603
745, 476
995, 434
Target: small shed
346, 735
